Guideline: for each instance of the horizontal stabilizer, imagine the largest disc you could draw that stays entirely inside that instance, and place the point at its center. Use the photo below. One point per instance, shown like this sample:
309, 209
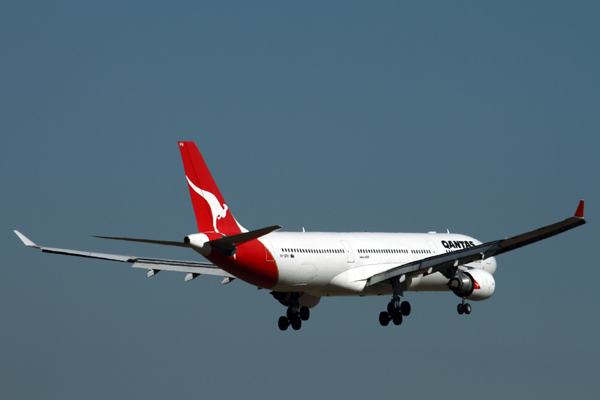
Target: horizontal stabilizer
225, 241
241, 238
162, 242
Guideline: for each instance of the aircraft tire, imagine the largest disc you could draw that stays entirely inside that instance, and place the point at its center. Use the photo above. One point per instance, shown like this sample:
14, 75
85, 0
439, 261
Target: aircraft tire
283, 323
384, 318
405, 308
460, 309
290, 313
390, 308
304, 313
296, 323
467, 309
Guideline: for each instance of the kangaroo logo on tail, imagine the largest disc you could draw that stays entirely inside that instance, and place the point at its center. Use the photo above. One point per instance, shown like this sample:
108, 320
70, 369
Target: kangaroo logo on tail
216, 209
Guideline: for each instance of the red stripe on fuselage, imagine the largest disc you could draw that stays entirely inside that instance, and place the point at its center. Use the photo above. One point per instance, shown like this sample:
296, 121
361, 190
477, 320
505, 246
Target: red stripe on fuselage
249, 264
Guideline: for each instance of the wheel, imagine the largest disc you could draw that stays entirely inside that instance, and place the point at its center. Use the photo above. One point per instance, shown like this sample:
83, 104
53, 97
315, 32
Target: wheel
304, 313
397, 318
396, 312
460, 309
290, 313
390, 308
405, 308
384, 318
296, 323
467, 308
283, 323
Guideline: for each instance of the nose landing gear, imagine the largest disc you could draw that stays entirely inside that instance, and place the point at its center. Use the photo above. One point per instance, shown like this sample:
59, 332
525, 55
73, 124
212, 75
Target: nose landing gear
464, 308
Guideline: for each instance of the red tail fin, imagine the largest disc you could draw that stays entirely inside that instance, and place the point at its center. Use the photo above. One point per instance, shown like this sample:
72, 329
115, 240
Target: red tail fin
212, 214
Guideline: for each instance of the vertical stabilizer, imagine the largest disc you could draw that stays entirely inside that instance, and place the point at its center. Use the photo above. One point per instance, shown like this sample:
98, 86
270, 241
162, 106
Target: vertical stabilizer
212, 214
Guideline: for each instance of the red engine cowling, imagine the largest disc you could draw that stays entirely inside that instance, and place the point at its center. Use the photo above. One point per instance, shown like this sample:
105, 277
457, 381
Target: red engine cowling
474, 284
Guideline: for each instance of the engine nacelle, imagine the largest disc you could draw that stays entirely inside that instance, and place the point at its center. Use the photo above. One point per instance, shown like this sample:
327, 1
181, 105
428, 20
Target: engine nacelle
474, 284
198, 242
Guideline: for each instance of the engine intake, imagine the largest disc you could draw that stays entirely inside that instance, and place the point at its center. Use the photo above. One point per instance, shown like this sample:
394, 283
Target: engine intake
462, 284
475, 284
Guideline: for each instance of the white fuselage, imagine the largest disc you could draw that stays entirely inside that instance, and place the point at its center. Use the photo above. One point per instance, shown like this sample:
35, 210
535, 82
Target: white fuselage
338, 264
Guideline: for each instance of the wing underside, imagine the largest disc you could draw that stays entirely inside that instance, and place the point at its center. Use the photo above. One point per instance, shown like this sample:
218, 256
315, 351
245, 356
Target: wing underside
446, 262
153, 265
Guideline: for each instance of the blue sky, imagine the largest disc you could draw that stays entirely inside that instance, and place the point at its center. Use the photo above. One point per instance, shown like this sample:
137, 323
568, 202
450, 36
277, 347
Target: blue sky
339, 116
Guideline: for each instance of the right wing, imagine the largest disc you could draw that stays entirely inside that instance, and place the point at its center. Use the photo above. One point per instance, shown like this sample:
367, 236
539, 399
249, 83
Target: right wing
446, 261
153, 265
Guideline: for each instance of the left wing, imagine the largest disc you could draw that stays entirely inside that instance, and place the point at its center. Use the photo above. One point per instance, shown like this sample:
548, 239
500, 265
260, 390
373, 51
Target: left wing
448, 261
153, 265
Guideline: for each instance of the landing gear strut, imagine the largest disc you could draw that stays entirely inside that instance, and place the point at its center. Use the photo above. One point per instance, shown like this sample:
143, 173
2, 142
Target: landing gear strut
395, 313
464, 308
294, 314
294, 317
396, 310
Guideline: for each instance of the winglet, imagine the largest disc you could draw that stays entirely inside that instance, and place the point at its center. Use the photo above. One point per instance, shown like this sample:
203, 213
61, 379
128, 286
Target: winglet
25, 240
579, 212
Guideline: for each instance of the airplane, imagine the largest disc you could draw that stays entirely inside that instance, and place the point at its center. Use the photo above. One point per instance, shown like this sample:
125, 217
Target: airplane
299, 268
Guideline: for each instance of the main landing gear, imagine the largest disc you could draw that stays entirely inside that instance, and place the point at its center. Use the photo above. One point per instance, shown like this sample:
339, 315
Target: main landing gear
295, 313
464, 308
298, 308
395, 312
294, 317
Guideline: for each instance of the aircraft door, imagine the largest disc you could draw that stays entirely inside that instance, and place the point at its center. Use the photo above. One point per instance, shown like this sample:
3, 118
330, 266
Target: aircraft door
432, 246
268, 246
349, 252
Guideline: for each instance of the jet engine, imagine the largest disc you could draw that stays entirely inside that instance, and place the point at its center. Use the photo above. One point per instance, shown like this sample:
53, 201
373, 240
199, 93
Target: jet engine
474, 284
